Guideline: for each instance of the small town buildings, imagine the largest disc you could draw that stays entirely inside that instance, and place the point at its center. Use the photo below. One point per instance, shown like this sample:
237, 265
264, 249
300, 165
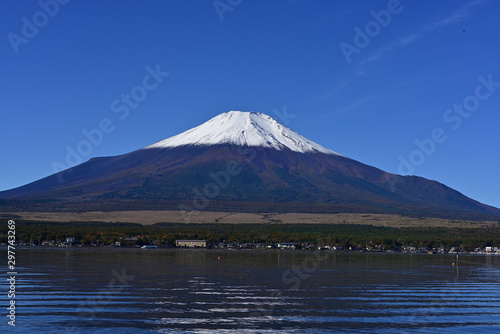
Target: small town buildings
191, 243
287, 245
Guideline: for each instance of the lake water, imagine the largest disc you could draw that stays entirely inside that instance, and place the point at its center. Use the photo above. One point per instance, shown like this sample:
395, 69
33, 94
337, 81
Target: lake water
117, 290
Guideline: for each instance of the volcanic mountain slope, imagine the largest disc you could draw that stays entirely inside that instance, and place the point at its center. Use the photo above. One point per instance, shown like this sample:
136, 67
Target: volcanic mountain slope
240, 161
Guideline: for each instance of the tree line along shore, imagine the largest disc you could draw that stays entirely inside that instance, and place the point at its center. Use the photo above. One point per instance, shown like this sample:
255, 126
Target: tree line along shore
341, 236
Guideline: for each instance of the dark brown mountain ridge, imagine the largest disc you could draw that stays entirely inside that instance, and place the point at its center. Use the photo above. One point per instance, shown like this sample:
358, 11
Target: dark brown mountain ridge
242, 162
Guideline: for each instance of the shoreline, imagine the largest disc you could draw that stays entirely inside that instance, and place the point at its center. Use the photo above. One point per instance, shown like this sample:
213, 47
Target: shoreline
260, 250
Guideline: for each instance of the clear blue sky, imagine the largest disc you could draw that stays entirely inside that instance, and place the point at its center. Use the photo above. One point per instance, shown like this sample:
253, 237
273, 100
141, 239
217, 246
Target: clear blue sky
366, 95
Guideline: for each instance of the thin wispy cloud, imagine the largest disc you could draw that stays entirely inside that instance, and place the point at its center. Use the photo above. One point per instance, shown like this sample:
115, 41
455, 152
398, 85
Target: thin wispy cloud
408, 39
455, 17
334, 90
458, 15
350, 107
378, 54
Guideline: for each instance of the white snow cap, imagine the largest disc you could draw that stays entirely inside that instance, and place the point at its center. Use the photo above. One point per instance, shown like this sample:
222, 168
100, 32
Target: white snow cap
244, 129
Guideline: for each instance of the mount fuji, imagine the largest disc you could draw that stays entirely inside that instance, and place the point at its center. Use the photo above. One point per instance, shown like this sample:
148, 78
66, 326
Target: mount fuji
244, 129
245, 162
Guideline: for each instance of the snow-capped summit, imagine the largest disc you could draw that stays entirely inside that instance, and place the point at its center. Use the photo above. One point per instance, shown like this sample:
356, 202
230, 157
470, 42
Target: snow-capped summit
244, 129
197, 166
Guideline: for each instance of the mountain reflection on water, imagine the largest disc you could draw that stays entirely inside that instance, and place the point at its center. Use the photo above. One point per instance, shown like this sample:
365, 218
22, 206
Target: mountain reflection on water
106, 290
